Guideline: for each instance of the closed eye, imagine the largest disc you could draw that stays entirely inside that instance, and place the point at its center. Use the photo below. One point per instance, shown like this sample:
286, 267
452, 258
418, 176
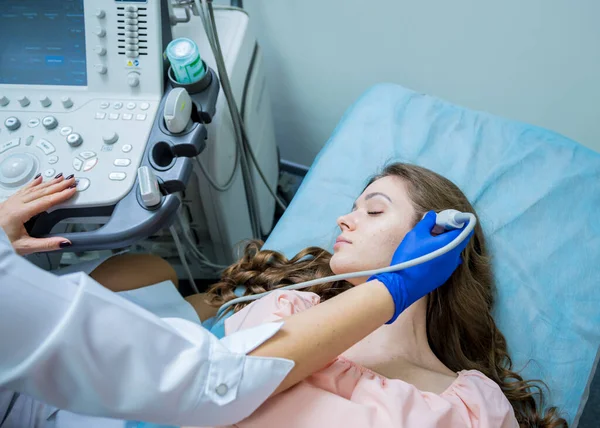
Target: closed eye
374, 212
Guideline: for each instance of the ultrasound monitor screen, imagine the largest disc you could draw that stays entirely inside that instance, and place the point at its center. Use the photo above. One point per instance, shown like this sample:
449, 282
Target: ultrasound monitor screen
42, 42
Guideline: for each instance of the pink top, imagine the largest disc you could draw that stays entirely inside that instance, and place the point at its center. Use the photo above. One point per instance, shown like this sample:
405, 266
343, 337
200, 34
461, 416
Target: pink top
345, 394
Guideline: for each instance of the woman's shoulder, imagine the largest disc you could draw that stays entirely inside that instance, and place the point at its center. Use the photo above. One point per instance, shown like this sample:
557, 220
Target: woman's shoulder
273, 307
480, 397
474, 381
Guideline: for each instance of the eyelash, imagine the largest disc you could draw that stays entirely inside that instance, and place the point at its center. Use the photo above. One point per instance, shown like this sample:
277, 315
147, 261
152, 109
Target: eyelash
374, 212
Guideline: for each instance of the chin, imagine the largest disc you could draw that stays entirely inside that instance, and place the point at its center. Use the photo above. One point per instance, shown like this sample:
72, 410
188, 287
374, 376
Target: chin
340, 265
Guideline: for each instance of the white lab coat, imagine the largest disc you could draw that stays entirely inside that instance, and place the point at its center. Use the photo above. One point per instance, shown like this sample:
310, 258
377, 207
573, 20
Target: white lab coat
71, 343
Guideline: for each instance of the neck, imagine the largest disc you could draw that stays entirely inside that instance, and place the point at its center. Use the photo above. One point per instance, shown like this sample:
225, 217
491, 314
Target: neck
402, 344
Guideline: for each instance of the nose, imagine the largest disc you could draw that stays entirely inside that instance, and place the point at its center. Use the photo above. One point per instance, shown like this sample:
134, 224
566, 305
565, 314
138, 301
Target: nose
346, 222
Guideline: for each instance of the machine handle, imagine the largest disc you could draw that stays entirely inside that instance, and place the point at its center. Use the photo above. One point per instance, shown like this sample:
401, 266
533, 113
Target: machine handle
127, 224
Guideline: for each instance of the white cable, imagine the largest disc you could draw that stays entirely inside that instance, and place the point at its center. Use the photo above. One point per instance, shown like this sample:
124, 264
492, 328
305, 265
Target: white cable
242, 143
245, 141
237, 123
368, 273
211, 181
182, 258
281, 204
210, 27
203, 259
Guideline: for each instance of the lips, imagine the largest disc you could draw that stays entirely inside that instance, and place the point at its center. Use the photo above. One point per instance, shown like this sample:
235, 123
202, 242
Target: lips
342, 239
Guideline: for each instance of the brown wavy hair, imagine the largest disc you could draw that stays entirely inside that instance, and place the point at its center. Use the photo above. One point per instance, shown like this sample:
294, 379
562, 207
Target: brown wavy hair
460, 328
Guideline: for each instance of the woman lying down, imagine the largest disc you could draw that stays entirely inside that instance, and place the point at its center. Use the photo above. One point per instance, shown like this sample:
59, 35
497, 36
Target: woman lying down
441, 363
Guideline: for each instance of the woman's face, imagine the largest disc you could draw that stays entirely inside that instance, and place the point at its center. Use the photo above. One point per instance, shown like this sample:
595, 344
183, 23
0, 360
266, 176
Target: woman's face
372, 231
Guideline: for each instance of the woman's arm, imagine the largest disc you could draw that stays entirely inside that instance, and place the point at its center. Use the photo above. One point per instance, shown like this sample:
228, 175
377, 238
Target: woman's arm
315, 337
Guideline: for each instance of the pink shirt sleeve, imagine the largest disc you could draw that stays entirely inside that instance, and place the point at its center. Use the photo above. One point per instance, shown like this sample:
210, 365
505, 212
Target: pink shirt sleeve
273, 307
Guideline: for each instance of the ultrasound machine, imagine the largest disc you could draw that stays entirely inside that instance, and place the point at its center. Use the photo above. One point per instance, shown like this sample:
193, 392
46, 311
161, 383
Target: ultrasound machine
83, 90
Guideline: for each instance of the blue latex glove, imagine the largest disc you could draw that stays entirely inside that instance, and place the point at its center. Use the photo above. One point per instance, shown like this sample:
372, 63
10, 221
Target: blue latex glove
409, 285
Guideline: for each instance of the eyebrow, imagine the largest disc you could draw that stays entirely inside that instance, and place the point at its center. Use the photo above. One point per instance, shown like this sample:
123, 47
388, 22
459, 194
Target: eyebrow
372, 195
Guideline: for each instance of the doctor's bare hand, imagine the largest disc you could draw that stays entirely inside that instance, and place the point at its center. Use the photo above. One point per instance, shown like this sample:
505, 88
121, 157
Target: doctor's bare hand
34, 198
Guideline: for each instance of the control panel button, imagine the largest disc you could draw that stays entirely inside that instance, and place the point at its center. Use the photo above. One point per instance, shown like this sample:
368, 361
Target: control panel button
100, 115
122, 162
82, 184
9, 145
17, 169
132, 54
131, 34
113, 116
127, 116
12, 123
87, 154
46, 146
131, 28
74, 139
104, 104
140, 116
65, 130
100, 14
66, 102
45, 101
131, 21
29, 140
132, 47
118, 105
49, 173
131, 9
126, 148
117, 176
89, 164
110, 137
101, 68
132, 40
24, 101
49, 122
132, 15
133, 79
100, 50
130, 106
52, 159
100, 32
4, 101
33, 123
144, 106
77, 164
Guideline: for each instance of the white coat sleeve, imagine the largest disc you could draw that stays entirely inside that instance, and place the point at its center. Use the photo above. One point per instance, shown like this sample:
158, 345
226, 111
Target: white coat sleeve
73, 344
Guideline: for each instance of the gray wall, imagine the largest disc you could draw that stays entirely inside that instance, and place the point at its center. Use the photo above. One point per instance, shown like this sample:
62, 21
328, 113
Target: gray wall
537, 61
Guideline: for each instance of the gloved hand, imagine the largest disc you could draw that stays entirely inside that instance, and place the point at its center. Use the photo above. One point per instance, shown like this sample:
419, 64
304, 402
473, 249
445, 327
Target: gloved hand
409, 285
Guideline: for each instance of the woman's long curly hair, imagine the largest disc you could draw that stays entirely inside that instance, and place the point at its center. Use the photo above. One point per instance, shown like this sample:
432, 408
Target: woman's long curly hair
460, 328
